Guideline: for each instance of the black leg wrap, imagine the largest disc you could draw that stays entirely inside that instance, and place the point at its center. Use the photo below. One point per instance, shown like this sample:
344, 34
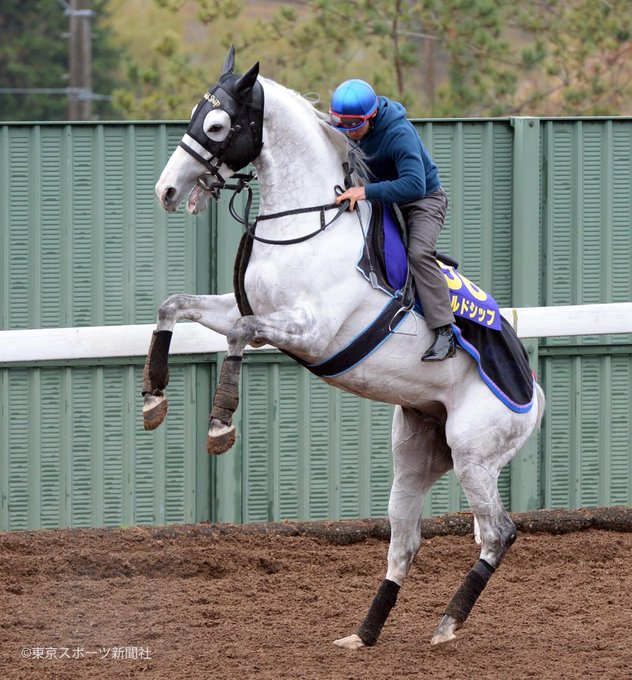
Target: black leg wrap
156, 374
226, 397
370, 629
461, 604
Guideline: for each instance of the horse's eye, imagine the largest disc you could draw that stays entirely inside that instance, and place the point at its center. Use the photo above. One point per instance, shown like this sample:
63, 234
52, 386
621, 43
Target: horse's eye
216, 125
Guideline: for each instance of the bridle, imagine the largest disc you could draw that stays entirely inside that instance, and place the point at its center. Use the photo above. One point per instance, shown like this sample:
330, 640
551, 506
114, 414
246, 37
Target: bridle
242, 98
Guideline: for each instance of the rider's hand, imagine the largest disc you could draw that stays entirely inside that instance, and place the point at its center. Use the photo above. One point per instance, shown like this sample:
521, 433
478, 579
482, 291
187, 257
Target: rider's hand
353, 195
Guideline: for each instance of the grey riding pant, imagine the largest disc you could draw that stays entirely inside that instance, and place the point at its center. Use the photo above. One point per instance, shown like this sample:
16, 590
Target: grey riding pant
424, 221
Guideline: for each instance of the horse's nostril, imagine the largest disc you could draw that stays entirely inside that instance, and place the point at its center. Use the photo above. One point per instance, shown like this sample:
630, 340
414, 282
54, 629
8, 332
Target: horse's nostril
169, 194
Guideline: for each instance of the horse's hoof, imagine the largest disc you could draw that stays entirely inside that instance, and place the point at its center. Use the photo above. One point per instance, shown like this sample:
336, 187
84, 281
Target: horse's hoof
221, 437
444, 632
154, 411
350, 642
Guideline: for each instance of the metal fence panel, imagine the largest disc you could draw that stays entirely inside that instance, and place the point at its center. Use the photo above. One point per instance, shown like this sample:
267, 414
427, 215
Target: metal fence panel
539, 214
586, 255
85, 243
587, 211
74, 452
303, 451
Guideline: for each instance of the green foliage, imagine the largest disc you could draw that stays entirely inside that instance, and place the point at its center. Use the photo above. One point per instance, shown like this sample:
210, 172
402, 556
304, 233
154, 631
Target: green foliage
34, 54
452, 58
317, 48
481, 75
439, 57
166, 73
211, 10
164, 88
585, 58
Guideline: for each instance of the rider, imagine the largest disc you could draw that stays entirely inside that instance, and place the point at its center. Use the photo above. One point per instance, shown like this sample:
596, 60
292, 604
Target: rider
405, 174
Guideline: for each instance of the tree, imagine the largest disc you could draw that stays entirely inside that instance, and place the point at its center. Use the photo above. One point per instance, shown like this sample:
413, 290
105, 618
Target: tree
34, 54
462, 57
583, 51
310, 46
169, 58
452, 58
403, 47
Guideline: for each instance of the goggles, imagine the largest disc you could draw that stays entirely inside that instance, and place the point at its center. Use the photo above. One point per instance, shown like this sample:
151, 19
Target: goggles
348, 121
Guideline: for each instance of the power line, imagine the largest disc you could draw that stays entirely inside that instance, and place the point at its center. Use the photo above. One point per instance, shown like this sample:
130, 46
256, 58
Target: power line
76, 92
71, 11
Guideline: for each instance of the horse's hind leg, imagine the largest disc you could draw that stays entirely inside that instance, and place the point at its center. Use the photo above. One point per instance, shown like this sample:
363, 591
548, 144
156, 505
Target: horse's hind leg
420, 457
497, 533
217, 312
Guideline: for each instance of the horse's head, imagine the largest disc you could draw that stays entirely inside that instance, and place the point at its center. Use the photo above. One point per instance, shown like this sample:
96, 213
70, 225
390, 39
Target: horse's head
225, 133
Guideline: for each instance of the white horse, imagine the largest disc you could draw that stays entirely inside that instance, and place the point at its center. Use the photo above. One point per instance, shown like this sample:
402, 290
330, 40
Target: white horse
308, 299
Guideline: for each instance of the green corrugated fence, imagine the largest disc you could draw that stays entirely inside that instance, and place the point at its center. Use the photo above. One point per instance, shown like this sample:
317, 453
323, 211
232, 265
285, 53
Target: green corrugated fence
540, 214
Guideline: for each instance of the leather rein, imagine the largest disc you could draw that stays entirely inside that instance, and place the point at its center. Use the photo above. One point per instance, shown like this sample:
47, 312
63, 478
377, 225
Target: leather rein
243, 183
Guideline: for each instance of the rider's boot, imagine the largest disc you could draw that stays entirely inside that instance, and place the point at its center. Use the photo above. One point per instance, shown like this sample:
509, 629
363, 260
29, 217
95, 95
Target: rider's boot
443, 347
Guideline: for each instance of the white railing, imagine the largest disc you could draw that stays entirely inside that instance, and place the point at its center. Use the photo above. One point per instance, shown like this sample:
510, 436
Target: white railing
100, 342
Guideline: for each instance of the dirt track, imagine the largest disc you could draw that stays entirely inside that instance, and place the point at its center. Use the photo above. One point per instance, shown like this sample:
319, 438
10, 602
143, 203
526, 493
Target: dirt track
201, 603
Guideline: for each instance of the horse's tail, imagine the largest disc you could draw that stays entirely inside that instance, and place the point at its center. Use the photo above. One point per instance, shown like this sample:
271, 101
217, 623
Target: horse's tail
539, 396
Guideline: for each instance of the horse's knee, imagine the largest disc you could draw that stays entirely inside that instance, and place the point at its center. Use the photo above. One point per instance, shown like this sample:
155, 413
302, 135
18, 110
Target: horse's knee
170, 308
243, 331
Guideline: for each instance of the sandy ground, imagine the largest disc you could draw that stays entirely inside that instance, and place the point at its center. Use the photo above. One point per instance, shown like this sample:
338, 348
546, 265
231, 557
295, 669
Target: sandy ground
193, 603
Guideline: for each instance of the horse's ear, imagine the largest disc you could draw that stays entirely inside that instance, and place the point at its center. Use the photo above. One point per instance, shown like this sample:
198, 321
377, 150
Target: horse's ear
229, 62
247, 81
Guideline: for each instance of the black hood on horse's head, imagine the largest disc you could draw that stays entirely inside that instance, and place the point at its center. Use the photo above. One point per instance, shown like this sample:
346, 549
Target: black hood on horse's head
241, 97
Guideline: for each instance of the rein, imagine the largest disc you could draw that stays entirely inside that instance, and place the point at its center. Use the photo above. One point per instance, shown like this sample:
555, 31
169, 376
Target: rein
243, 182
322, 209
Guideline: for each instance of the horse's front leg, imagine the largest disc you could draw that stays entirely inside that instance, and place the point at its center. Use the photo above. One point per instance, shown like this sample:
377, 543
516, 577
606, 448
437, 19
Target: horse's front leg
291, 329
217, 312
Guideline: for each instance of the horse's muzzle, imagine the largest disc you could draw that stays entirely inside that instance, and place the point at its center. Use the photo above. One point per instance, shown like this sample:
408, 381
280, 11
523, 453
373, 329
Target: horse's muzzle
168, 199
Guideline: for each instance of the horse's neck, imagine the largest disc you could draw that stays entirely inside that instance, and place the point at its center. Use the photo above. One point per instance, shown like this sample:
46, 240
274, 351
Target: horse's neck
298, 165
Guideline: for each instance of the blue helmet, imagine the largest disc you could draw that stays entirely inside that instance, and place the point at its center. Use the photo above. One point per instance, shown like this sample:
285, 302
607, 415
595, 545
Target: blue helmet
352, 103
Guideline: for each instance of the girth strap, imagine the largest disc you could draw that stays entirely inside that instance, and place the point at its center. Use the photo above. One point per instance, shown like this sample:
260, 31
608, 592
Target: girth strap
362, 345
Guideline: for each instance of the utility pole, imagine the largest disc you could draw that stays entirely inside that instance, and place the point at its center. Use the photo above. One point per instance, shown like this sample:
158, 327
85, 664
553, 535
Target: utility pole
80, 92
429, 49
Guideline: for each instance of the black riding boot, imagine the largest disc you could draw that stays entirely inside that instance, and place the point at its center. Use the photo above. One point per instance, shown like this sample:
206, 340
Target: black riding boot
443, 347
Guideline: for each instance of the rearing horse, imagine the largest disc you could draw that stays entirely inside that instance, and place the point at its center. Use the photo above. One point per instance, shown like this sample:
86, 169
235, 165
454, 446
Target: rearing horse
307, 298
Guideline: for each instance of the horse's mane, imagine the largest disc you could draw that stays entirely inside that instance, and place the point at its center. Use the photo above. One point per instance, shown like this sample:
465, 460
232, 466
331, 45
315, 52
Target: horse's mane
347, 150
